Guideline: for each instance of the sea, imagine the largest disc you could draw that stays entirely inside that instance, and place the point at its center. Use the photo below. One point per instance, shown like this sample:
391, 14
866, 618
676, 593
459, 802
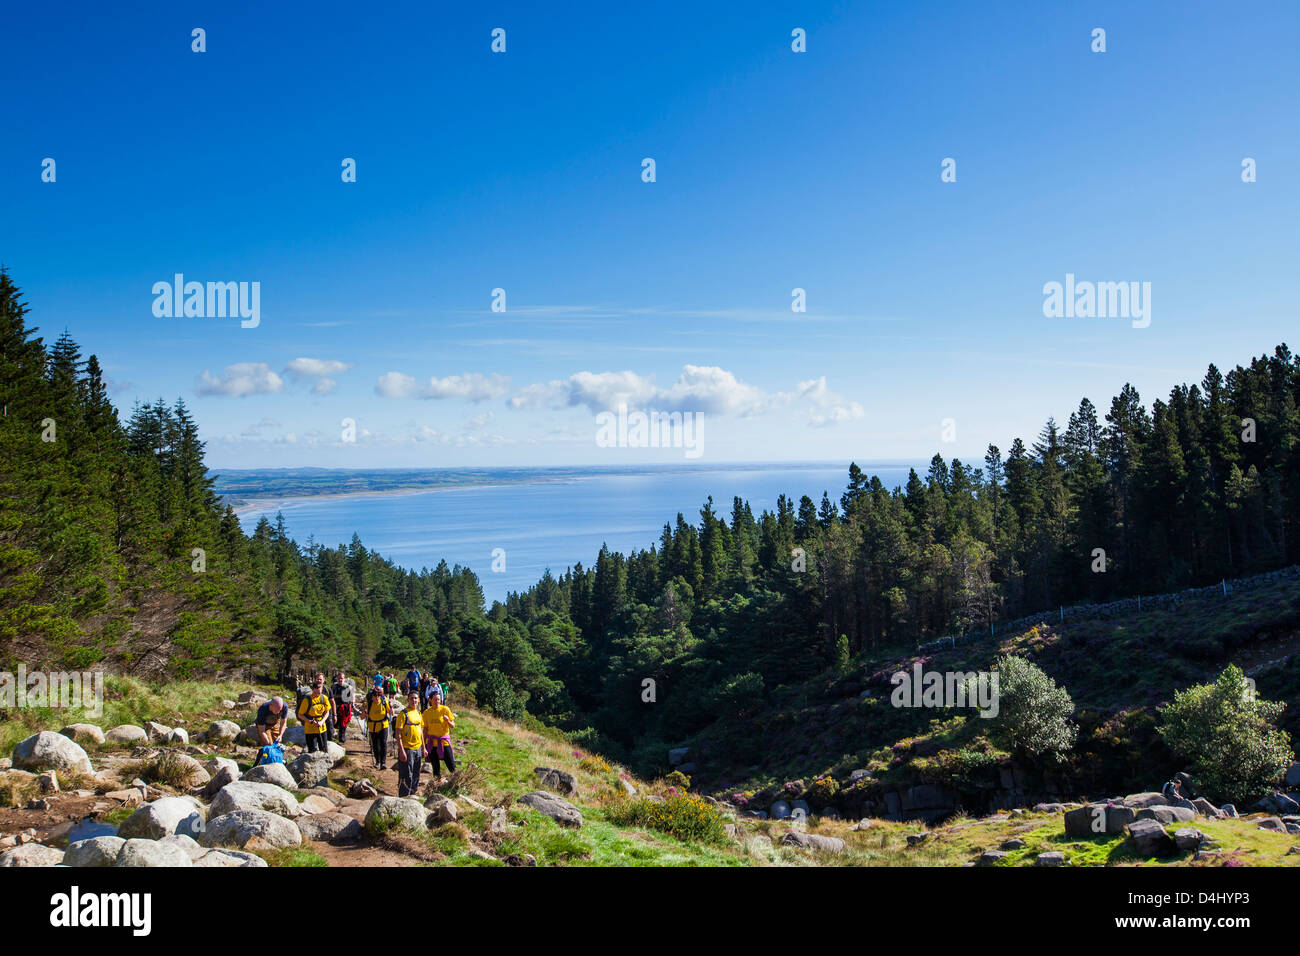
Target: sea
510, 532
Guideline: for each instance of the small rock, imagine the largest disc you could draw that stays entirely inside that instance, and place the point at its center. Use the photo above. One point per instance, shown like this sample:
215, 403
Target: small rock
363, 790
1050, 858
444, 808
1013, 844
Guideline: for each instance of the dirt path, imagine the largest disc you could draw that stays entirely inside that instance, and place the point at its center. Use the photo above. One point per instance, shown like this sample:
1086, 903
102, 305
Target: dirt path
361, 766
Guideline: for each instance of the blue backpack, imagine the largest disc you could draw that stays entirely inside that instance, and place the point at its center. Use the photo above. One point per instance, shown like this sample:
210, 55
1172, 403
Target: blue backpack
271, 753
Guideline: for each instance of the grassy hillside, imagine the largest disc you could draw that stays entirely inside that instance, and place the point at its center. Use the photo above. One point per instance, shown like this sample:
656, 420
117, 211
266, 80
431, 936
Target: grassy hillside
1117, 671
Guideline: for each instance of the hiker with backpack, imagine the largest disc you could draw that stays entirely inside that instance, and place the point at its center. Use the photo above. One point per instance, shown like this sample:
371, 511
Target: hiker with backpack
438, 721
409, 734
313, 711
271, 720
342, 695
378, 713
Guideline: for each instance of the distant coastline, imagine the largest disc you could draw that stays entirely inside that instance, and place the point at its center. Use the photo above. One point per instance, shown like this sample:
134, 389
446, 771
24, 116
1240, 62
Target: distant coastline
248, 490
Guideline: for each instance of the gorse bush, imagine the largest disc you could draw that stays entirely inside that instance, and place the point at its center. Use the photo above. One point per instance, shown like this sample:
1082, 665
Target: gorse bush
686, 817
1033, 713
1229, 737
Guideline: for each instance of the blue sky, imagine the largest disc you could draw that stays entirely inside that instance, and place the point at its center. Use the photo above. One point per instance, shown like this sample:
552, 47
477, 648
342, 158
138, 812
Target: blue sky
774, 170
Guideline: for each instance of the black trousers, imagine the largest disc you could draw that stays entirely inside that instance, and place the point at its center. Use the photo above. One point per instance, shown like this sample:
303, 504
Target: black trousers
446, 755
317, 742
408, 774
379, 746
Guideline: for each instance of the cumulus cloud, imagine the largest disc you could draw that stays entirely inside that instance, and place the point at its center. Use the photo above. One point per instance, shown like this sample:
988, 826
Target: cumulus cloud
471, 387
394, 385
699, 388
827, 408
318, 371
316, 368
243, 378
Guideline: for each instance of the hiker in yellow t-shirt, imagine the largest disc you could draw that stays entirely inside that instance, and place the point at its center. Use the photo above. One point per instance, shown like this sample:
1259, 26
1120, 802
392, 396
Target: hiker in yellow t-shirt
408, 727
438, 721
313, 711
378, 712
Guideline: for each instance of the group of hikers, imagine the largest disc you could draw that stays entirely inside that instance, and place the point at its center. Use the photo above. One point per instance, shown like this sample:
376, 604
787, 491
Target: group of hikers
420, 725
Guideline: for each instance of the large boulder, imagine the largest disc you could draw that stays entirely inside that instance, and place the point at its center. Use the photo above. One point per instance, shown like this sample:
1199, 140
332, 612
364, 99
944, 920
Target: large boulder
125, 735
295, 735
1150, 839
1187, 839
31, 854
157, 732
224, 777
84, 733
310, 770
780, 810
253, 698
240, 828
50, 751
152, 853
1207, 809
329, 828
229, 858
1140, 801
561, 781
274, 773
396, 811
813, 841
1167, 815
97, 851
164, 817
1097, 819
179, 735
1293, 775
187, 844
555, 807
214, 766
1278, 803
335, 751
180, 769
251, 795
222, 731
